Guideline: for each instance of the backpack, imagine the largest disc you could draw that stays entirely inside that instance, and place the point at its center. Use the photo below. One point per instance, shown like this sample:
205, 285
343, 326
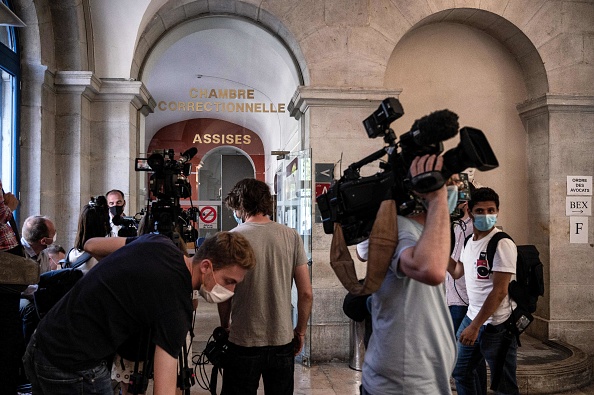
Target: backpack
529, 282
53, 285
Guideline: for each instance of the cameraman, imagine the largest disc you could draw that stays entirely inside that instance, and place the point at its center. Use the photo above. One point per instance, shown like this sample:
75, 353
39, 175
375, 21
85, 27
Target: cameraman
143, 282
412, 348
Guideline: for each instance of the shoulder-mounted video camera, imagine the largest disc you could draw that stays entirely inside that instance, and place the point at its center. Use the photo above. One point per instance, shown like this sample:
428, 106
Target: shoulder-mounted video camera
353, 201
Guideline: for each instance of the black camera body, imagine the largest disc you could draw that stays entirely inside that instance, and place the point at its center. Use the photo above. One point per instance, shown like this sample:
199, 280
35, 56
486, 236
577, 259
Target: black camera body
128, 225
98, 202
353, 201
168, 184
216, 349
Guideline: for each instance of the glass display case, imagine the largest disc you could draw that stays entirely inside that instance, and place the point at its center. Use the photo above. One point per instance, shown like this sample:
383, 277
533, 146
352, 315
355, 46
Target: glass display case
294, 209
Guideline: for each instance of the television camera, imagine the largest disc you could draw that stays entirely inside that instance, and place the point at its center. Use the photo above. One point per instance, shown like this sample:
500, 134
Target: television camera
168, 184
128, 225
353, 201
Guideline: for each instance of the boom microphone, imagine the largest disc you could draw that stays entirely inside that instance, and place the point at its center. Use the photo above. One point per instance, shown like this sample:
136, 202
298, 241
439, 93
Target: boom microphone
434, 128
186, 156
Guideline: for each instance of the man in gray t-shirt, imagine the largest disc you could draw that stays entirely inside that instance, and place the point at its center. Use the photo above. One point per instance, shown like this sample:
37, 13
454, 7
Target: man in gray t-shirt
262, 340
412, 349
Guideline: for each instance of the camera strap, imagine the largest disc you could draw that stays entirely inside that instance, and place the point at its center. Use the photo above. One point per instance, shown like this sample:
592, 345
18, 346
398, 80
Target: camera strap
382, 243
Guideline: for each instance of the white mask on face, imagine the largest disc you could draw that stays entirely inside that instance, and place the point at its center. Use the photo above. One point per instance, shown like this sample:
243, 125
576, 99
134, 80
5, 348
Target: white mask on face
218, 294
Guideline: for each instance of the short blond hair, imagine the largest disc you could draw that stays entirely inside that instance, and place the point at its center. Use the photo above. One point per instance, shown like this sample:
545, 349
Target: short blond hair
227, 249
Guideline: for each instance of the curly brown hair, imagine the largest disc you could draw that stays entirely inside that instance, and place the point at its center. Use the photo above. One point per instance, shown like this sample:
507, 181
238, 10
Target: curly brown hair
250, 197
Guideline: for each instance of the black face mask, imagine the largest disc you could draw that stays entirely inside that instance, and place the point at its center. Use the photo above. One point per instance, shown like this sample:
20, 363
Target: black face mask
116, 211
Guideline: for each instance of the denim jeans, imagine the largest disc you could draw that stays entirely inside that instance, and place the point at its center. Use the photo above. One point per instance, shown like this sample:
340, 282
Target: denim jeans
47, 379
486, 347
243, 367
458, 313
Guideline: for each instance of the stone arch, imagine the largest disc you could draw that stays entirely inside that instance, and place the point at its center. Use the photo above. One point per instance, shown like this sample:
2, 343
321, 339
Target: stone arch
507, 33
172, 14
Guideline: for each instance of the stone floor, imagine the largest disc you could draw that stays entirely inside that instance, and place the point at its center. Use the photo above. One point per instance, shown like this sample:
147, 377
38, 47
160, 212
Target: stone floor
337, 378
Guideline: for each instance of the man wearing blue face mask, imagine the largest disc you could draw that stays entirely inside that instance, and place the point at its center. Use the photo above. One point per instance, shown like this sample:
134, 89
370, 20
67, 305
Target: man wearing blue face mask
262, 339
481, 334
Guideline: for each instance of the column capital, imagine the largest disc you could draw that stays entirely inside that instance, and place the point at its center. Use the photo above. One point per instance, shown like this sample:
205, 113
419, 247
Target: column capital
76, 81
308, 96
555, 103
127, 90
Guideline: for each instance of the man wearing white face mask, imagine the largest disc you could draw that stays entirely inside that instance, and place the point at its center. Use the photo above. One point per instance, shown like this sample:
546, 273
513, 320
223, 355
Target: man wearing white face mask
481, 333
139, 283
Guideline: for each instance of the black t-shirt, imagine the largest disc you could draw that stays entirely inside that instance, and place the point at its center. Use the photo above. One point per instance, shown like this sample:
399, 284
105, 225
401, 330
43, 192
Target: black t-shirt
143, 284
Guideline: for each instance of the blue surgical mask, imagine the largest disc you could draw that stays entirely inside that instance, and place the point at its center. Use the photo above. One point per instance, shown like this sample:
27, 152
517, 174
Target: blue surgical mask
237, 219
452, 197
484, 222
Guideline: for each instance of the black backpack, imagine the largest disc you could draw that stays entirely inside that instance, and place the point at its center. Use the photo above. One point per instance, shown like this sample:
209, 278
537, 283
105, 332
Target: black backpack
53, 285
529, 282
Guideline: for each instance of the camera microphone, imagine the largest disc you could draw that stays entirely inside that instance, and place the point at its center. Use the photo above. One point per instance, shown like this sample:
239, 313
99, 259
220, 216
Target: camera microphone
434, 128
186, 156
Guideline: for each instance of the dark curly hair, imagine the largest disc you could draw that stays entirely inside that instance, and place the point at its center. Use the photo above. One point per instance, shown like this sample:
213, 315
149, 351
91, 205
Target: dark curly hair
483, 194
250, 197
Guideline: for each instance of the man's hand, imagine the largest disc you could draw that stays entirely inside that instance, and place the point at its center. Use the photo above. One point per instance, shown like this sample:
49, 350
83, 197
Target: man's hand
11, 201
469, 335
298, 341
424, 164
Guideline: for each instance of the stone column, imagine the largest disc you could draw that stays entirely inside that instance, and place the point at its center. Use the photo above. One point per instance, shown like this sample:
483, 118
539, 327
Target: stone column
560, 140
116, 138
74, 93
334, 117
96, 142
34, 91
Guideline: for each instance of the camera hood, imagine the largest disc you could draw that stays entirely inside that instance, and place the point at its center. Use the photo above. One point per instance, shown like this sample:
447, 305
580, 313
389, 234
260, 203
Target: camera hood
472, 151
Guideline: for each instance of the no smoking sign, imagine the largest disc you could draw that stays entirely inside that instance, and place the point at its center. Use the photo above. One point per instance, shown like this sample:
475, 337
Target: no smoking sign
208, 217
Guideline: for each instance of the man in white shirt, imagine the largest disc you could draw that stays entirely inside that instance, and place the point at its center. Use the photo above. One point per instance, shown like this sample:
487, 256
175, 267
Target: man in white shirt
482, 332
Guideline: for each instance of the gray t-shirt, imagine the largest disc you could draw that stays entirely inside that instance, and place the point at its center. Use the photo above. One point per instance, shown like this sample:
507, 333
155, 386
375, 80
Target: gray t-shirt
261, 306
413, 348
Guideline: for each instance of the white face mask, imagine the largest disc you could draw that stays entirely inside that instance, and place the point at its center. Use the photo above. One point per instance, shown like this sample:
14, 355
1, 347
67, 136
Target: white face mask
218, 294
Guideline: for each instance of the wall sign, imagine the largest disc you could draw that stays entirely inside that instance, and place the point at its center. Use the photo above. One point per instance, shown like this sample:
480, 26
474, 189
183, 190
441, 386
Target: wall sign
578, 206
579, 185
208, 217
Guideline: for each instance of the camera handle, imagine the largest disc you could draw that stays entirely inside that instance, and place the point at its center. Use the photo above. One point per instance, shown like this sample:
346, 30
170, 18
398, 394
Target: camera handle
352, 172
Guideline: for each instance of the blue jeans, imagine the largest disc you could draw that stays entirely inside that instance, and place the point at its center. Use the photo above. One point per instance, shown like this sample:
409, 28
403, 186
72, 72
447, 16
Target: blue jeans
458, 313
486, 347
47, 379
243, 367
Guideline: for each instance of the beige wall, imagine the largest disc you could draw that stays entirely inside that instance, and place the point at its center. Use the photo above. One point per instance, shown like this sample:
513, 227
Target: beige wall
466, 71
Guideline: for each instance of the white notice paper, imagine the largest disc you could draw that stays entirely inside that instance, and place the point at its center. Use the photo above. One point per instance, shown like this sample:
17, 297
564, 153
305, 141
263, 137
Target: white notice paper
578, 229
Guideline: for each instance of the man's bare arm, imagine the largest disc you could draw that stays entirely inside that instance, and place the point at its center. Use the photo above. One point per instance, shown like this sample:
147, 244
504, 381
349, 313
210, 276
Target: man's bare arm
165, 373
500, 285
304, 303
455, 268
427, 261
100, 247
